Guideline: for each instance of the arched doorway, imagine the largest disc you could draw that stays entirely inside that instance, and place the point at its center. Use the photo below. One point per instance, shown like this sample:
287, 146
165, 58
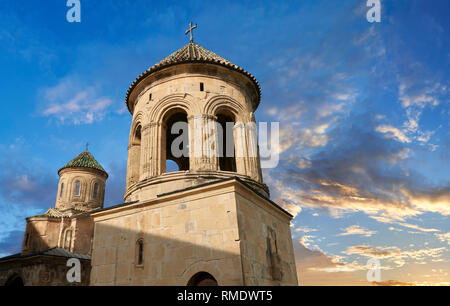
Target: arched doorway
14, 281
203, 279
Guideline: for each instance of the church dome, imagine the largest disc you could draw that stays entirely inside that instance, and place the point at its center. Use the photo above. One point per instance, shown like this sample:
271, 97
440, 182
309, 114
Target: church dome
192, 53
84, 160
82, 184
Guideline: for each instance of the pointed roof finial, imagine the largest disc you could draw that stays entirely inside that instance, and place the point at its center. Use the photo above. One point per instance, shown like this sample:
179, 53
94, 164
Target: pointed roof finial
191, 31
87, 146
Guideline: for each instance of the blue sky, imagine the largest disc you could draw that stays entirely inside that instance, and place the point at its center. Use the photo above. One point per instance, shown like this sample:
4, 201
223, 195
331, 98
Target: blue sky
363, 111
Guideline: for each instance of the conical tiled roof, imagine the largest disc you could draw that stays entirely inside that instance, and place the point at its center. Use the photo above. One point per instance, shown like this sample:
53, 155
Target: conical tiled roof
192, 53
84, 160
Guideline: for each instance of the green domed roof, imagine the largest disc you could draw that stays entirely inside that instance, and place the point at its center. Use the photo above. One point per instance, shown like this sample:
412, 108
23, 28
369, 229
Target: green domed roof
84, 160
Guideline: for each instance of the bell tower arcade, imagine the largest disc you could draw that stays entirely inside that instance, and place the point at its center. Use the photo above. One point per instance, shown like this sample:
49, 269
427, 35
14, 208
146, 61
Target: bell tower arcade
196, 208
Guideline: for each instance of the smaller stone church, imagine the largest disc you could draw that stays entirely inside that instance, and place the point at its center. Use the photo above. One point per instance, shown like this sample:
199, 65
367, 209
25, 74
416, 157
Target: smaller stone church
62, 232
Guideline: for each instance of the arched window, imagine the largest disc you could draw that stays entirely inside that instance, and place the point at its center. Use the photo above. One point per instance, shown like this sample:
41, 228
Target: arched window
95, 191
77, 188
135, 155
62, 189
176, 138
227, 160
202, 279
140, 252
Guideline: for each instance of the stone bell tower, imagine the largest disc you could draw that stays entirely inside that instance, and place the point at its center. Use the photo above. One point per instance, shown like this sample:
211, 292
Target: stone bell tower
205, 91
210, 220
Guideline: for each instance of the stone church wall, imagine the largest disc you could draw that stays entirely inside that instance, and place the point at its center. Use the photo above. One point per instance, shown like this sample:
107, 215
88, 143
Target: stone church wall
266, 243
42, 271
183, 234
43, 233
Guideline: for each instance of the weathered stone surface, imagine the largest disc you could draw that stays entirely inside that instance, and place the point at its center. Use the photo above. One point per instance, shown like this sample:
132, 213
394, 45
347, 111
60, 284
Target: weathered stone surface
201, 236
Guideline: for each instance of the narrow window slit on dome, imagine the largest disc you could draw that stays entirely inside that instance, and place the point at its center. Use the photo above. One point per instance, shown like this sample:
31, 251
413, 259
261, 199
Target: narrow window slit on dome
202, 87
62, 189
77, 188
95, 190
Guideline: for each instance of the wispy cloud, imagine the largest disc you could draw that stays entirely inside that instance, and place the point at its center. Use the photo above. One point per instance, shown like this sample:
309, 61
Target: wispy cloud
70, 103
305, 229
444, 237
395, 254
357, 230
24, 184
393, 132
361, 171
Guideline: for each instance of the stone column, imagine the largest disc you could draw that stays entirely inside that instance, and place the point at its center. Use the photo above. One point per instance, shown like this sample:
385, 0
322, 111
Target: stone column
253, 168
157, 149
145, 152
240, 148
203, 143
129, 167
246, 144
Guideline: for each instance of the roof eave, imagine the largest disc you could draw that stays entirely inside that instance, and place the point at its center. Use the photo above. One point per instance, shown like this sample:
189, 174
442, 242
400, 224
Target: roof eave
159, 67
84, 168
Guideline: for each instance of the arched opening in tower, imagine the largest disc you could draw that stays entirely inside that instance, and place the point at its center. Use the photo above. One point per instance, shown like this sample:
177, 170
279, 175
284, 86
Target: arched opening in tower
176, 142
227, 158
136, 155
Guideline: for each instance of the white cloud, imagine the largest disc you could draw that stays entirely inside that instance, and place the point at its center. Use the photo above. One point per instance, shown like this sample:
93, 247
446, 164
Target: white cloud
292, 208
305, 229
421, 98
391, 228
357, 230
444, 237
395, 254
397, 221
68, 102
306, 240
393, 132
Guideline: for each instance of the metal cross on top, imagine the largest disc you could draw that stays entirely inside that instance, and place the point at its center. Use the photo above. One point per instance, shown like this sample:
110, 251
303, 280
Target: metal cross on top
191, 30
